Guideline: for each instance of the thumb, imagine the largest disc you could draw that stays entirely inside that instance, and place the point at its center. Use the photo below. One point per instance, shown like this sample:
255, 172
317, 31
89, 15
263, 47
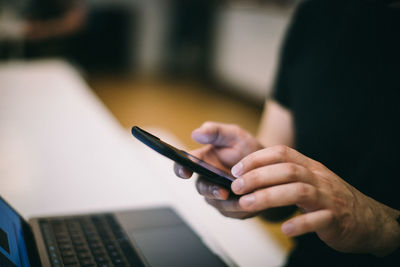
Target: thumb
217, 134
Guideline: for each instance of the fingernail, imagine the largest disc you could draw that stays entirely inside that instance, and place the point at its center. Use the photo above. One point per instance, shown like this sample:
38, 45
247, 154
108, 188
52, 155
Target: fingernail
237, 185
287, 228
237, 169
216, 193
201, 137
181, 173
248, 200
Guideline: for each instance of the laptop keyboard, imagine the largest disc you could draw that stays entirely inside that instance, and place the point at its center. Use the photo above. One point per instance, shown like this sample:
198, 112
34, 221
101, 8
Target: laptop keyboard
87, 241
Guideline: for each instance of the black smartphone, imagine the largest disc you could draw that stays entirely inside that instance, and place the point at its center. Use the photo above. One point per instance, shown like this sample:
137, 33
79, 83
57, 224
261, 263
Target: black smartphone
208, 171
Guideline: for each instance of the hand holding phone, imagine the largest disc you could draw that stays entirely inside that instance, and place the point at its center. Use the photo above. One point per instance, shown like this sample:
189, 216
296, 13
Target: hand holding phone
208, 171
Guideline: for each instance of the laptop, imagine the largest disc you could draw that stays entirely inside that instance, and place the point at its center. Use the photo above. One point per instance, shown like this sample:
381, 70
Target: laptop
142, 237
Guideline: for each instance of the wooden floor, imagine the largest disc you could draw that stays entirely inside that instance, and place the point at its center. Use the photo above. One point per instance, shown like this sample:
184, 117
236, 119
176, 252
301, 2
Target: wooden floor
179, 107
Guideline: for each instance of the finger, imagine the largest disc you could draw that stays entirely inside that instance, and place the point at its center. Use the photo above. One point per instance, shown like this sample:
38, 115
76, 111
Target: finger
230, 205
268, 156
182, 172
211, 190
217, 134
301, 194
185, 173
271, 175
309, 222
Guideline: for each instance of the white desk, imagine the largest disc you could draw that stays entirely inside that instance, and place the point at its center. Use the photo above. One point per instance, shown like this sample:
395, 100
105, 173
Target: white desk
62, 151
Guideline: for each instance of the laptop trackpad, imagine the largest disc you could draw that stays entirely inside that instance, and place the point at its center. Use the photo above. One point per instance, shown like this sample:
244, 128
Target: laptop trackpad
173, 245
164, 239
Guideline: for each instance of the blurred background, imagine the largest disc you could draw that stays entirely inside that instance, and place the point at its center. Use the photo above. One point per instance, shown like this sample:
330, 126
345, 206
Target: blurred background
169, 64
165, 63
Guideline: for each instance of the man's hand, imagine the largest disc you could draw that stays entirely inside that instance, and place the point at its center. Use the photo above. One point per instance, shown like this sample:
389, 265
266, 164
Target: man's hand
225, 145
342, 217
278, 176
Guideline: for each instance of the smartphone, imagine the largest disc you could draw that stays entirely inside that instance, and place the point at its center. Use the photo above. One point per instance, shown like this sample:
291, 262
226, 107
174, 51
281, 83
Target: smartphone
208, 171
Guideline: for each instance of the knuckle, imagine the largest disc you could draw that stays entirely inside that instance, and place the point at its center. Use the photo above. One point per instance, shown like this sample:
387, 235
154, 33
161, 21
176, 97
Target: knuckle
234, 127
345, 222
243, 206
317, 167
251, 176
303, 192
237, 130
292, 171
257, 179
330, 216
253, 179
280, 151
305, 224
267, 198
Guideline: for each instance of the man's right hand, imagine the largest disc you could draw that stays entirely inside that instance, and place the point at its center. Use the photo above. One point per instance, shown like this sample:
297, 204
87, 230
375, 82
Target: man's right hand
225, 145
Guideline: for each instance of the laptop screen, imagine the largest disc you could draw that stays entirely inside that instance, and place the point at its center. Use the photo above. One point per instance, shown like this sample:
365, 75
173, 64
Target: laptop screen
13, 250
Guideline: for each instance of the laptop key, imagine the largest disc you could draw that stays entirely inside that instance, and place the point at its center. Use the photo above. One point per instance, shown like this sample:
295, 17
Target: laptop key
65, 247
117, 260
61, 235
56, 262
67, 253
123, 264
81, 248
91, 240
79, 242
84, 255
110, 246
95, 245
87, 262
70, 260
98, 252
100, 259
63, 244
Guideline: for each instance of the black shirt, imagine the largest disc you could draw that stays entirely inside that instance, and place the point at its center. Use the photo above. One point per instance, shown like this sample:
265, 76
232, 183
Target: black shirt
339, 74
